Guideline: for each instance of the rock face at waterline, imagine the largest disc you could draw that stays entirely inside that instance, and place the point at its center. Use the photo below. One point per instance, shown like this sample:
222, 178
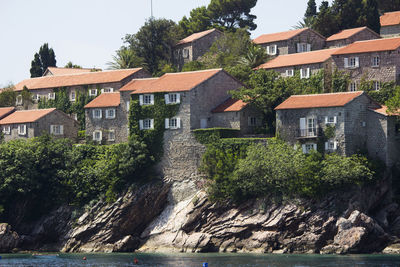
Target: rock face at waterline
8, 238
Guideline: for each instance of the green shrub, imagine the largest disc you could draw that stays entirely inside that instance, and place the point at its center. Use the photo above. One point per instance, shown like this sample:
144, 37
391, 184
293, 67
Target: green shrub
210, 135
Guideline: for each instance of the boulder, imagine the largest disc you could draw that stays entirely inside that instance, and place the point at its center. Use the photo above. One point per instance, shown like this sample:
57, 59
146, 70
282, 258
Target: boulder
8, 239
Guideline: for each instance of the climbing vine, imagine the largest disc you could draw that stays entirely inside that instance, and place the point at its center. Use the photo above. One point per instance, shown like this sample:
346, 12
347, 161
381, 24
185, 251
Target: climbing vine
153, 138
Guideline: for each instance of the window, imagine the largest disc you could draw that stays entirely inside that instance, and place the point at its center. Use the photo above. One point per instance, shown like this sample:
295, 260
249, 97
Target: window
127, 104
97, 114
330, 120
352, 62
146, 100
92, 92
375, 61
35, 97
97, 135
110, 113
146, 124
272, 50
72, 96
22, 129
185, 53
107, 90
290, 73
305, 73
173, 98
173, 123
377, 85
308, 147
353, 87
52, 96
111, 135
331, 145
57, 129
7, 129
303, 47
252, 121
18, 101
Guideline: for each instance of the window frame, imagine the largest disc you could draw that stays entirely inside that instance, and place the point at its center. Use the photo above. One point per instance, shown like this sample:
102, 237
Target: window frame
94, 113
353, 87
72, 96
6, 129
113, 115
111, 131
19, 129
51, 96
376, 61
19, 100
100, 135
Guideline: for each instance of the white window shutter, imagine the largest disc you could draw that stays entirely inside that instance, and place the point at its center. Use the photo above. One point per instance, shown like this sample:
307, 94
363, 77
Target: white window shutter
152, 99
326, 146
94, 135
268, 50
301, 73
326, 120
308, 47
166, 98
357, 61
61, 129
93, 113
303, 146
141, 124
101, 135
152, 124
335, 145
335, 119
141, 100
128, 103
51, 129
178, 123
302, 123
166, 123
178, 98
308, 73
315, 147
275, 49
346, 62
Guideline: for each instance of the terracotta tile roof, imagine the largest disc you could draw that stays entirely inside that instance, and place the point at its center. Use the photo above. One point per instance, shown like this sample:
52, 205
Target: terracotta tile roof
384, 111
76, 79
25, 116
65, 71
387, 44
195, 36
177, 82
5, 111
390, 18
344, 34
136, 84
279, 36
230, 105
312, 57
319, 100
105, 100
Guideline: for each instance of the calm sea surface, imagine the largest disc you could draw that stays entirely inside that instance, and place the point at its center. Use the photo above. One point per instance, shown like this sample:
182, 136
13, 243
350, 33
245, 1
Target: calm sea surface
197, 260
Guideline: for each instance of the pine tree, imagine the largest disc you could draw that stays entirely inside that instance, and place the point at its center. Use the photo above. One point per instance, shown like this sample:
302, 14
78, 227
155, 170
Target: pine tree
371, 14
311, 9
36, 67
42, 60
326, 21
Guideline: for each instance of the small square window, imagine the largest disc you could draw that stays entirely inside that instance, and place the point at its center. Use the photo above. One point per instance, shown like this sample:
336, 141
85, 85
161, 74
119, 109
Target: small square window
147, 124
353, 87
19, 100
110, 113
375, 61
22, 129
97, 114
92, 92
97, 135
7, 129
377, 85
52, 96
252, 121
290, 73
147, 99
72, 96
107, 90
111, 135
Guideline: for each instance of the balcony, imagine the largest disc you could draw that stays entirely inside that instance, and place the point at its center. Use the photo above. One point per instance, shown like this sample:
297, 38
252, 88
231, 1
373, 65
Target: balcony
309, 132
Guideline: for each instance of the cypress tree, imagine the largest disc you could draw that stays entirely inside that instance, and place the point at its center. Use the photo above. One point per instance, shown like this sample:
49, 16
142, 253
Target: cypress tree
311, 10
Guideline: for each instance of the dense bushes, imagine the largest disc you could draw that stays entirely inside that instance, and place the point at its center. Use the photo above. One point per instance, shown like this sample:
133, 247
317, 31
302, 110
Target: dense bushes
239, 174
38, 174
209, 135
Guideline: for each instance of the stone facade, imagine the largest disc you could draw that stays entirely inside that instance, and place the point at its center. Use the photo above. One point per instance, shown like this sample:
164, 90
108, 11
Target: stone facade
365, 34
314, 68
42, 126
290, 46
190, 51
390, 31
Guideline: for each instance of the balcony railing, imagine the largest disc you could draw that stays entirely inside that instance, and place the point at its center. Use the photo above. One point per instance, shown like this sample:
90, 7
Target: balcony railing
309, 132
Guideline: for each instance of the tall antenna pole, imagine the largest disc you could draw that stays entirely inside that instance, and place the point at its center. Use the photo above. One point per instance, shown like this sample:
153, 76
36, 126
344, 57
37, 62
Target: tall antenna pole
151, 8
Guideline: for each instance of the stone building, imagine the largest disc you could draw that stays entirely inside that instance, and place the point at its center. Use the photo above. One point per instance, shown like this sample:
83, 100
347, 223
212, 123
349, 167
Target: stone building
307, 64
373, 60
33, 123
92, 82
194, 46
236, 114
106, 120
290, 42
350, 36
56, 71
390, 24
345, 123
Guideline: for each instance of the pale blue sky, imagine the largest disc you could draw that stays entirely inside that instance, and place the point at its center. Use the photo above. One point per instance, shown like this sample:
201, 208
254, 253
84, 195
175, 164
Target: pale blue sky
87, 32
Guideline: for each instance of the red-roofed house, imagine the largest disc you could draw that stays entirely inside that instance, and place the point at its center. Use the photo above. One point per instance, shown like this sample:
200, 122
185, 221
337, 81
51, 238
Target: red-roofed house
33, 123
55, 71
373, 60
390, 24
6, 111
345, 123
290, 42
350, 36
194, 46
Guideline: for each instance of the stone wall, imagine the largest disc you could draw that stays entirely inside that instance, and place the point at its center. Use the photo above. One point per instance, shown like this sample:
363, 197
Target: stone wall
390, 31
314, 68
365, 34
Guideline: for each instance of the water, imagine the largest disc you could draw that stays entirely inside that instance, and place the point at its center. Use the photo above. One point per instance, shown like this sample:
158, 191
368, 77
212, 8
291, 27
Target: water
197, 260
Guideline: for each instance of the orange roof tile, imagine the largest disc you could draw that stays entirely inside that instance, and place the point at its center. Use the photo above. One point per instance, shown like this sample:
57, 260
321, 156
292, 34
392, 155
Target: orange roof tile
136, 84
5, 111
279, 36
195, 36
319, 100
230, 105
105, 100
384, 111
65, 71
390, 18
177, 82
25, 116
76, 79
344, 34
312, 57
388, 44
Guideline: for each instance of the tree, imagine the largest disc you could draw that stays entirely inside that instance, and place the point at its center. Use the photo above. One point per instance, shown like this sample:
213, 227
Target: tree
154, 42
42, 60
232, 14
371, 15
125, 58
255, 56
7, 96
198, 21
311, 10
388, 5
326, 22
71, 65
